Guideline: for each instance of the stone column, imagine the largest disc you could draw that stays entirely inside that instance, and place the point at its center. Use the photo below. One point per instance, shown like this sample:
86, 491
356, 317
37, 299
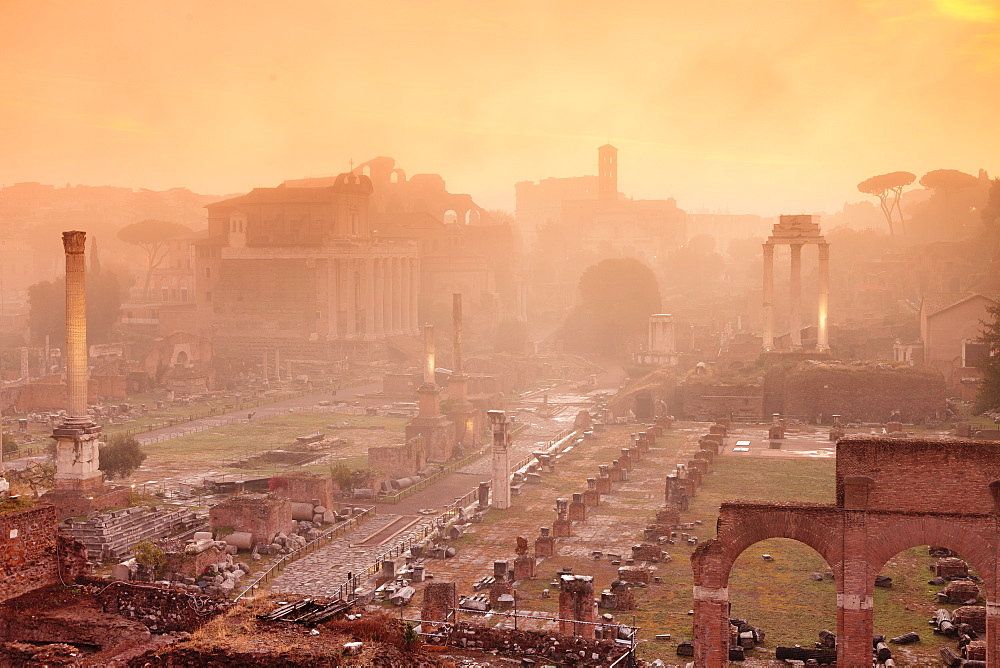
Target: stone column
76, 327
352, 278
404, 296
795, 297
333, 298
379, 296
77, 449
429, 354
369, 292
822, 337
397, 296
414, 293
501, 460
768, 297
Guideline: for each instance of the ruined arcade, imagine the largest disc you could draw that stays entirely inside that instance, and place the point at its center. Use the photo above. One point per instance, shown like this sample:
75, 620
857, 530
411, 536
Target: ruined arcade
890, 497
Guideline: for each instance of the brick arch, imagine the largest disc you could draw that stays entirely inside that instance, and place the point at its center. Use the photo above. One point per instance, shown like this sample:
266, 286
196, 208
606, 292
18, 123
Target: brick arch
965, 538
741, 528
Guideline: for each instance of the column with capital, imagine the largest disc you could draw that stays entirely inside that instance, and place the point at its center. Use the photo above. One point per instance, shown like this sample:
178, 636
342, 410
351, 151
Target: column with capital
404, 296
822, 334
795, 297
369, 325
415, 293
768, 296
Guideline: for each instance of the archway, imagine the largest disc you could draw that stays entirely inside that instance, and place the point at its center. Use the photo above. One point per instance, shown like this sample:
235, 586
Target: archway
785, 588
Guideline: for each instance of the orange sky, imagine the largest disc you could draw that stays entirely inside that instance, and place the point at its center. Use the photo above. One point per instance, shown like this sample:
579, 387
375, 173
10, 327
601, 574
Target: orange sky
749, 105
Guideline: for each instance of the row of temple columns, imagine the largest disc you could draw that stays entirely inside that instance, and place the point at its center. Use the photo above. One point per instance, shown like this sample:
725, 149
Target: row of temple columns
795, 296
372, 297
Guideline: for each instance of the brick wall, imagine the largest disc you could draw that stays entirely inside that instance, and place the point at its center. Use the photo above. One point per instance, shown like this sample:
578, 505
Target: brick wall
912, 475
31, 547
304, 488
262, 515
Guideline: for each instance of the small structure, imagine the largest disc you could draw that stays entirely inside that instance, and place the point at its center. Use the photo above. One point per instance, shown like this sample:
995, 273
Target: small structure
262, 516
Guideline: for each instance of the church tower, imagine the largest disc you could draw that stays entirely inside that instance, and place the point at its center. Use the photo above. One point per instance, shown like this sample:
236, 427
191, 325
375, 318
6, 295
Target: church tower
607, 172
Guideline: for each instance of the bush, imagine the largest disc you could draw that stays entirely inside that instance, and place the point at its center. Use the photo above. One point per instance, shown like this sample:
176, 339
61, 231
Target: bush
121, 456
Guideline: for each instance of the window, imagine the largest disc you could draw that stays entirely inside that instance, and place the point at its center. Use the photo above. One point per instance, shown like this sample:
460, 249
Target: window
164, 292
184, 294
208, 272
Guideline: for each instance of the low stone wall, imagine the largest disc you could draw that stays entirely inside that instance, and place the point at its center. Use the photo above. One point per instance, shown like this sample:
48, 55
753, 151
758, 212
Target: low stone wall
161, 608
562, 650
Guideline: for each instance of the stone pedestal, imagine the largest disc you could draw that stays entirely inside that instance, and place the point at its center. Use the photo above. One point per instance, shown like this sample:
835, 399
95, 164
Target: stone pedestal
592, 497
576, 604
625, 461
78, 458
545, 544
562, 527
438, 433
524, 566
578, 509
604, 485
440, 598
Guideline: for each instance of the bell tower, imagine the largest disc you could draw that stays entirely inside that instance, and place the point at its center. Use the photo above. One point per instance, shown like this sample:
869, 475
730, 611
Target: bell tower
607, 172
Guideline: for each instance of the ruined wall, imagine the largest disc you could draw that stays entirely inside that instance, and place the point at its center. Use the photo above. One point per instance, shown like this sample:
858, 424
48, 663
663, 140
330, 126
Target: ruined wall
304, 488
563, 650
30, 548
707, 400
261, 515
397, 461
162, 608
863, 393
899, 470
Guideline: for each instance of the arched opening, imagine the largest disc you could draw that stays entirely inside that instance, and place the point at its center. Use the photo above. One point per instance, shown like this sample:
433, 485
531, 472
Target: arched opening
786, 589
908, 592
450, 217
182, 359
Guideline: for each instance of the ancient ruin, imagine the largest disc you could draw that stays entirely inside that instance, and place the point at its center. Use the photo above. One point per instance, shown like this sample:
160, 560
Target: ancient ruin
889, 498
796, 232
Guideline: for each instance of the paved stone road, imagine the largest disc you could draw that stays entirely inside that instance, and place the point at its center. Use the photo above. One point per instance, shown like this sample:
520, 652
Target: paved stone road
324, 571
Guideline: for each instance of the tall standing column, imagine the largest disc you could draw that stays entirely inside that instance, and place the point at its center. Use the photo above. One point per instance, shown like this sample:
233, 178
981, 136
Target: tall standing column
397, 296
379, 289
77, 450
501, 460
404, 295
822, 336
76, 327
369, 329
795, 297
333, 299
415, 293
768, 296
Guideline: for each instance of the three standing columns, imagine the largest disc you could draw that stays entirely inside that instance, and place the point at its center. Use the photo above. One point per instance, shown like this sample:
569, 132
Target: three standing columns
795, 296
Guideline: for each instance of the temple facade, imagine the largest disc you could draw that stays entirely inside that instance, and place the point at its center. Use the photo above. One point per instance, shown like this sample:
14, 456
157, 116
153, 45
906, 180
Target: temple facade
303, 270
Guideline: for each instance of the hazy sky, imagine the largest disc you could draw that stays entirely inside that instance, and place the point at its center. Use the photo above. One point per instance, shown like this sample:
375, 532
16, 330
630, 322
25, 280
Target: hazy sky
749, 105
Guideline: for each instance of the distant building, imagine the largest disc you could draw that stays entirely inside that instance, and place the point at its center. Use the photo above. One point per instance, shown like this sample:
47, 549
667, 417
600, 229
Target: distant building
303, 270
949, 324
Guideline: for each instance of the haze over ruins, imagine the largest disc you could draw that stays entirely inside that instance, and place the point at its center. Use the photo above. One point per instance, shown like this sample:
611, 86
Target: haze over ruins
551, 334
